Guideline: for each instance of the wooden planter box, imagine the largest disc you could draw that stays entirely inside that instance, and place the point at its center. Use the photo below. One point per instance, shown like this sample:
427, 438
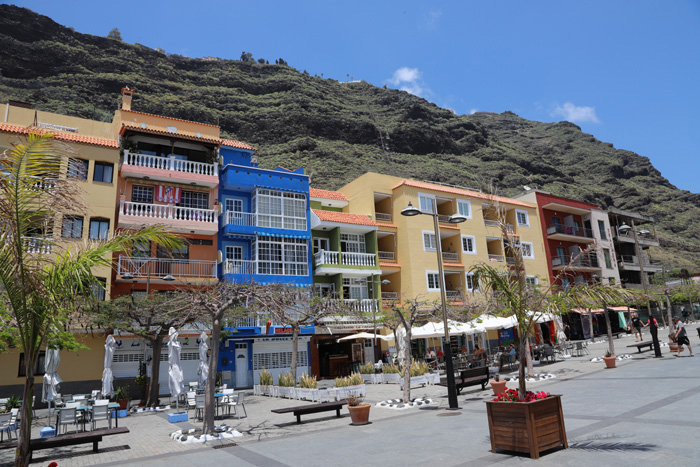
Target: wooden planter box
527, 427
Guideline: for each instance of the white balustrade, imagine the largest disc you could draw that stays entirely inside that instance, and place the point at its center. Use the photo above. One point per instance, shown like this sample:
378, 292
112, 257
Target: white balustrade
359, 259
386, 255
37, 245
324, 257
159, 267
170, 163
241, 218
450, 256
365, 305
495, 257
383, 216
163, 211
239, 266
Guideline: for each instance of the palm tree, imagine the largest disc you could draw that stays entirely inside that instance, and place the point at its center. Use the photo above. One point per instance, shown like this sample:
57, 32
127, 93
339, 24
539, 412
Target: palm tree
38, 291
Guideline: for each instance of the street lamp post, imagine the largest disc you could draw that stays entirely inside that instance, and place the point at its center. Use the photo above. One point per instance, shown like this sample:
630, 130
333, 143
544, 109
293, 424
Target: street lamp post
411, 211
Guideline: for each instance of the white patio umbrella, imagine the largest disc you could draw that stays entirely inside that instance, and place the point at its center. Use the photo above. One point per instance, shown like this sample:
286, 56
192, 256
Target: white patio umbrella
175, 376
365, 335
49, 390
107, 376
203, 371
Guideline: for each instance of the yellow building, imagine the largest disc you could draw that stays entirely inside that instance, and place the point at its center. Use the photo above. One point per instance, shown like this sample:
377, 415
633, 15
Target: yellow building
93, 166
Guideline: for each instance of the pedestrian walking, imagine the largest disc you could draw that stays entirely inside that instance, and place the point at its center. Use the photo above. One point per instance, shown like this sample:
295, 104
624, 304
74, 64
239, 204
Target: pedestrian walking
681, 336
637, 326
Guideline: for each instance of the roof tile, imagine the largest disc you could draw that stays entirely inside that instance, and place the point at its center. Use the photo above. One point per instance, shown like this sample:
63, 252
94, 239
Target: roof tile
237, 144
327, 194
68, 137
343, 217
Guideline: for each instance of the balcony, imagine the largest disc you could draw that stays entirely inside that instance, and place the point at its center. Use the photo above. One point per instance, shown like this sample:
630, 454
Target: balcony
158, 267
498, 258
239, 266
586, 262
386, 255
453, 295
631, 263
176, 218
569, 233
323, 258
382, 217
447, 256
495, 223
365, 305
169, 169
390, 295
248, 219
37, 245
644, 237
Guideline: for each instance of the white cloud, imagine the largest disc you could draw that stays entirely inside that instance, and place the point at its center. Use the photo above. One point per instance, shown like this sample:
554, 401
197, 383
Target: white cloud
432, 18
473, 111
409, 80
575, 114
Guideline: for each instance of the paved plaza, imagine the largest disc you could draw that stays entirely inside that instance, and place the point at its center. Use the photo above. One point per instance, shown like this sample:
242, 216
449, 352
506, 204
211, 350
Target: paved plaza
647, 410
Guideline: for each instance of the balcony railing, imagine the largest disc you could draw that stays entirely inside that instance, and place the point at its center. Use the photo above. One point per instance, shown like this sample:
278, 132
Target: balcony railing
453, 295
447, 256
390, 295
383, 216
510, 259
239, 266
324, 257
569, 230
158, 267
628, 260
388, 255
365, 305
170, 163
495, 223
646, 237
162, 211
359, 259
259, 320
444, 218
496, 257
37, 245
241, 218
587, 261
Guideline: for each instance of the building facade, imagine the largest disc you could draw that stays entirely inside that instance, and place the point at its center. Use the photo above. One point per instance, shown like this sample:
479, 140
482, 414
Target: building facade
633, 236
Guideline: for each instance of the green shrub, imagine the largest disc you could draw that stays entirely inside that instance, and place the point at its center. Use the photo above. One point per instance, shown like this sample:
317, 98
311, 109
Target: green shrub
286, 380
266, 378
389, 369
308, 382
355, 379
367, 368
341, 382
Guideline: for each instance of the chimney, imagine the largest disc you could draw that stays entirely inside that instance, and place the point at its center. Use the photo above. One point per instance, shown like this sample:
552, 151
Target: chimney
126, 98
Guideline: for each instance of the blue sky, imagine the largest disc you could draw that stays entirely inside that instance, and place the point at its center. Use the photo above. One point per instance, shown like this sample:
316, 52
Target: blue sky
627, 72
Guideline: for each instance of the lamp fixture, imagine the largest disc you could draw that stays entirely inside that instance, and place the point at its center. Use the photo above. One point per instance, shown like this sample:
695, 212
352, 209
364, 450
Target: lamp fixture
168, 278
127, 275
624, 228
410, 210
386, 281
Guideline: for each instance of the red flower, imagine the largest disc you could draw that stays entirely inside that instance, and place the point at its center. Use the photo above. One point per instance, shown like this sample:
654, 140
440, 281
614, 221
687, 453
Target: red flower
53, 464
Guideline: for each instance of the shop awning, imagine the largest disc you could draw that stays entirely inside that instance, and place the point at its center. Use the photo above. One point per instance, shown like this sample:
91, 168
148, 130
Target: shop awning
365, 335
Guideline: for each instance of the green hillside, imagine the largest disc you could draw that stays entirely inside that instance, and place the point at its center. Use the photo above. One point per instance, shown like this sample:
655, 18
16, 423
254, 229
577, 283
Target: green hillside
338, 130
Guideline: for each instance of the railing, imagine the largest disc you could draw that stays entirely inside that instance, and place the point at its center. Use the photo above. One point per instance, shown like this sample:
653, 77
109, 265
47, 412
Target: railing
443, 218
43, 185
386, 255
365, 305
629, 235
453, 295
170, 163
491, 223
390, 295
259, 320
163, 211
359, 259
241, 218
496, 257
157, 267
447, 256
510, 259
37, 245
240, 266
382, 216
569, 230
588, 261
627, 260
324, 257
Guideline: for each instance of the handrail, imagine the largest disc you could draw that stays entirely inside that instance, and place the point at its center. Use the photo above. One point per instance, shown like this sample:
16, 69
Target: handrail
170, 163
156, 267
382, 216
241, 218
166, 211
359, 259
569, 230
386, 255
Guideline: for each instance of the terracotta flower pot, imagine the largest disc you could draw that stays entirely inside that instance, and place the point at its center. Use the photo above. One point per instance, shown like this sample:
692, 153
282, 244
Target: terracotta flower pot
360, 414
123, 404
609, 361
498, 386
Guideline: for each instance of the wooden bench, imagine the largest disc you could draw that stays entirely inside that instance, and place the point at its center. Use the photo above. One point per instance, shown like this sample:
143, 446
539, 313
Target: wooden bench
617, 334
641, 345
471, 377
313, 408
72, 439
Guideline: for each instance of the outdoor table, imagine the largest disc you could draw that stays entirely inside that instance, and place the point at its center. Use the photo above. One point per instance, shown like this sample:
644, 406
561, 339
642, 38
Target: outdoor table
87, 409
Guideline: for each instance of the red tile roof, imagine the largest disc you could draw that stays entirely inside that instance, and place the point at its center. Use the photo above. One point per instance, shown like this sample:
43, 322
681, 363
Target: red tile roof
326, 194
343, 217
453, 265
460, 191
170, 118
383, 264
159, 131
237, 144
68, 137
392, 226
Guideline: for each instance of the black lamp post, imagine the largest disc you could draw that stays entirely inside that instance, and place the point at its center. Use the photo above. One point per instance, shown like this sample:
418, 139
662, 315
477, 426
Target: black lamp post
411, 211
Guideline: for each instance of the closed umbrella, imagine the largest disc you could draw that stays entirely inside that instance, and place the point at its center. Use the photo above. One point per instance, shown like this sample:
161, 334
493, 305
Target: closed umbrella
49, 390
203, 371
107, 376
175, 376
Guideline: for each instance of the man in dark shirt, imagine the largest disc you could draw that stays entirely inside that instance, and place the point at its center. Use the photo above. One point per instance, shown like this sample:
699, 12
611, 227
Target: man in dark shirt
681, 336
637, 326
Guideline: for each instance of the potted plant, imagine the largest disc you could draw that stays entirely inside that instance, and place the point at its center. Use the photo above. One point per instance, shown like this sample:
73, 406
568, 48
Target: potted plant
359, 412
367, 372
265, 386
308, 387
121, 395
609, 359
390, 374
497, 385
286, 385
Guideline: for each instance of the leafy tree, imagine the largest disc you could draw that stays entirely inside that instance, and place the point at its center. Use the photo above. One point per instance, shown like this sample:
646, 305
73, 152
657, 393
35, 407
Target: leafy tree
115, 34
261, 61
246, 57
37, 292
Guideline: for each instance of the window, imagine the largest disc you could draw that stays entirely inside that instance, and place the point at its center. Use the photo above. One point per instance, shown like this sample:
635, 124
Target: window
234, 253
181, 253
200, 241
98, 288
72, 227
283, 256
601, 228
355, 289
103, 172
471, 283
469, 244
433, 281
522, 218
464, 208
38, 367
608, 260
77, 169
141, 249
528, 250
426, 203
321, 244
142, 194
234, 205
280, 210
352, 243
99, 228
531, 280
429, 241
194, 199
324, 290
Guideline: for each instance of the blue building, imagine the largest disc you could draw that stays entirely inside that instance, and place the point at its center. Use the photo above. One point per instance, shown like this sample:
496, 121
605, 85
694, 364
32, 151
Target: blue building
264, 236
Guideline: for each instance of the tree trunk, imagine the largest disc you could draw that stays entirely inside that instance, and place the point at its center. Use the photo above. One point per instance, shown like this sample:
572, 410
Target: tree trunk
25, 426
295, 348
407, 367
210, 390
154, 389
608, 325
590, 325
670, 317
524, 358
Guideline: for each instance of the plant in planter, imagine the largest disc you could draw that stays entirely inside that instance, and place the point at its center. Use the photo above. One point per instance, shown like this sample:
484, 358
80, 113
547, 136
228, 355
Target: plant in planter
359, 412
367, 372
609, 359
266, 382
307, 386
286, 385
498, 385
121, 395
391, 374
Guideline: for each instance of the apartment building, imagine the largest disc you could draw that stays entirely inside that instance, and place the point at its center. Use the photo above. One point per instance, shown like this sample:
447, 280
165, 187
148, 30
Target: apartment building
633, 236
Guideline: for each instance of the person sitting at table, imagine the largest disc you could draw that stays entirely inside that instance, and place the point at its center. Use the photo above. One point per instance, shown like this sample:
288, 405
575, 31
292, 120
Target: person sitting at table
440, 354
479, 353
464, 349
430, 354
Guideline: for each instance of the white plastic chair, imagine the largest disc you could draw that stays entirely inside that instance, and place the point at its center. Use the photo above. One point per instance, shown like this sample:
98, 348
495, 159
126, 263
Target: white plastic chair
68, 416
6, 425
237, 403
191, 400
101, 412
199, 406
